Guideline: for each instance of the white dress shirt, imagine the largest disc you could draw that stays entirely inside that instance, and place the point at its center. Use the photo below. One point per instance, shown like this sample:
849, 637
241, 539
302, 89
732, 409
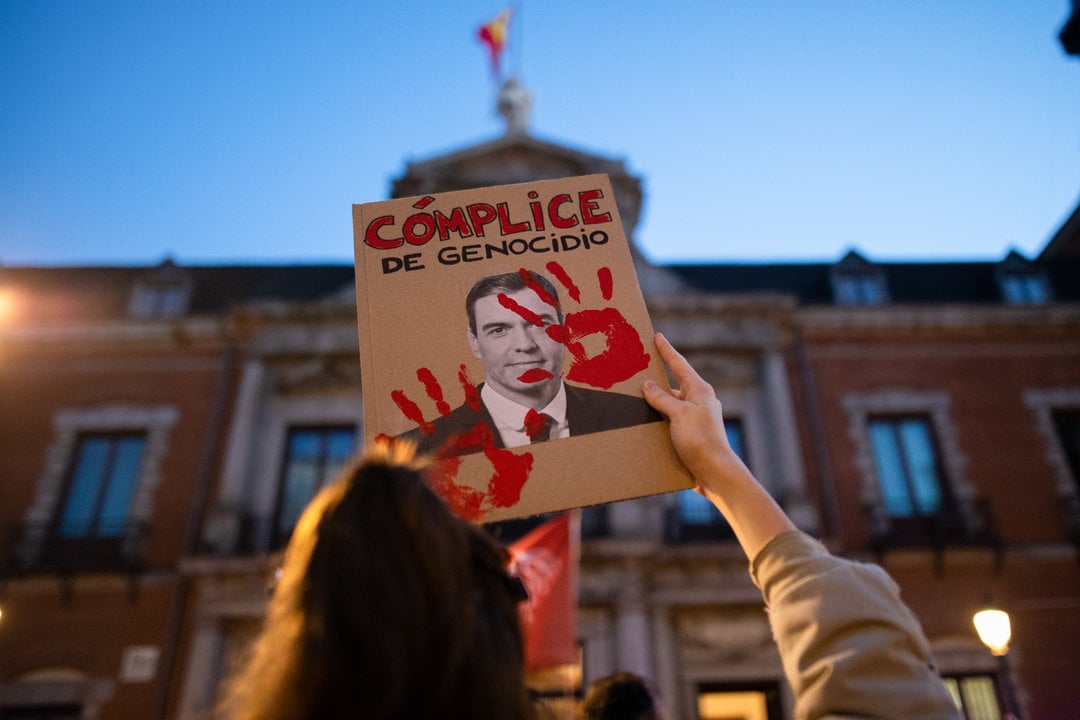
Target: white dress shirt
509, 416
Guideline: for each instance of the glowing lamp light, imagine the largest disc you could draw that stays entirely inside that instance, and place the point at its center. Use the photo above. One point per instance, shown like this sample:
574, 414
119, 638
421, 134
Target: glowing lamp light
994, 630
10, 304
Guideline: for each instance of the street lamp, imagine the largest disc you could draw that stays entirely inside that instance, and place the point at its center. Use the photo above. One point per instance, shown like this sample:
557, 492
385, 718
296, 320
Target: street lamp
995, 631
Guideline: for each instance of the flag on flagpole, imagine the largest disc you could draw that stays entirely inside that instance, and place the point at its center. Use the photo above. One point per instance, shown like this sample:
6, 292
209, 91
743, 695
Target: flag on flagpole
494, 35
546, 560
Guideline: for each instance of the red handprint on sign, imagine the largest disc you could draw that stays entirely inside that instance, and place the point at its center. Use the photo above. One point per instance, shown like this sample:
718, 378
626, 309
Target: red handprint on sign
510, 470
624, 354
518, 331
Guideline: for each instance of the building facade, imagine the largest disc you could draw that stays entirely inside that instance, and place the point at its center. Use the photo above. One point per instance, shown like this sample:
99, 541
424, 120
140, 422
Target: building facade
162, 427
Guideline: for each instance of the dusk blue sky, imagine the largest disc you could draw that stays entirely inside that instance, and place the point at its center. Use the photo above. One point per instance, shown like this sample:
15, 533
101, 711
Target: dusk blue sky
242, 131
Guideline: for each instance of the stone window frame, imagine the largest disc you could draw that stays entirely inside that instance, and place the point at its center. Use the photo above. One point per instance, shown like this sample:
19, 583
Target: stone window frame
267, 457
156, 421
860, 407
53, 686
1043, 403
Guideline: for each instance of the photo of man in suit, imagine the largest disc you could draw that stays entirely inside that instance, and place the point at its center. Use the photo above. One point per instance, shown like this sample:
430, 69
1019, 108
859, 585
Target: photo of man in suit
523, 399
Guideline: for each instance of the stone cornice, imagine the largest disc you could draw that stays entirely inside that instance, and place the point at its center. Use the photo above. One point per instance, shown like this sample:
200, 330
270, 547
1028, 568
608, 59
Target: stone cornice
719, 306
942, 317
123, 331
733, 322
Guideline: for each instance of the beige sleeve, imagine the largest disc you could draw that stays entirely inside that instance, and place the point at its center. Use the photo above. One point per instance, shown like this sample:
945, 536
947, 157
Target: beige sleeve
849, 645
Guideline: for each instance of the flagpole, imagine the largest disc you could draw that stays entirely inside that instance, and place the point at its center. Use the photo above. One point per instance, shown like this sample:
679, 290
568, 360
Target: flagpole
516, 36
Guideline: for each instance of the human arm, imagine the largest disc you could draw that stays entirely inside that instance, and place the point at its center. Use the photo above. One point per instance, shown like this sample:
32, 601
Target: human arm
848, 644
697, 431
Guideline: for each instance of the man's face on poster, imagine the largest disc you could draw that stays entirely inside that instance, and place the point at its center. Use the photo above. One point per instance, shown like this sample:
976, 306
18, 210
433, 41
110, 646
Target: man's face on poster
515, 353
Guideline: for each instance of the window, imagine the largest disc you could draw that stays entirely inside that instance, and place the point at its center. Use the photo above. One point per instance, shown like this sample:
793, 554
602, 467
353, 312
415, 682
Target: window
857, 281
162, 292
104, 475
975, 695
93, 528
1021, 281
859, 290
159, 300
594, 522
1024, 289
917, 503
54, 693
907, 467
313, 457
916, 500
696, 518
96, 490
1067, 425
742, 701
914, 486
1057, 418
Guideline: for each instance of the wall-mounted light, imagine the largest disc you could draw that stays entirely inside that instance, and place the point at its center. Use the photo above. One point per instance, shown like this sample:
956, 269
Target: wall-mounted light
995, 631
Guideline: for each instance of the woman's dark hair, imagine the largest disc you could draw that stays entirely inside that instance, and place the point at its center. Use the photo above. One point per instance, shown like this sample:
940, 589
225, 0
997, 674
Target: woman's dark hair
388, 606
622, 696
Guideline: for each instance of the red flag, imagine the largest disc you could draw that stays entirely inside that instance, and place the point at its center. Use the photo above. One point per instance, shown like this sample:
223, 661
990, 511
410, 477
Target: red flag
494, 34
546, 561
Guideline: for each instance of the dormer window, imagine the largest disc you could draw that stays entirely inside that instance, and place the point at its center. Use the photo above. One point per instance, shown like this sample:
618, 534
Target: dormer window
1024, 289
857, 281
1021, 281
163, 293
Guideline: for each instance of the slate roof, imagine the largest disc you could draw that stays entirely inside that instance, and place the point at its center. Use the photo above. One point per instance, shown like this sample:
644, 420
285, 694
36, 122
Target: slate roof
908, 283
101, 293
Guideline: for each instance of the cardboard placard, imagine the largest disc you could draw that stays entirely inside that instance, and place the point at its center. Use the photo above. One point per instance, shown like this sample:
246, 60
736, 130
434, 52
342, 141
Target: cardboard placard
428, 376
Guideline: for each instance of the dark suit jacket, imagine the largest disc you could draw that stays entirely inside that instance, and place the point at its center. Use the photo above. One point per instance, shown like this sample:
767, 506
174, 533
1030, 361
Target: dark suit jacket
587, 411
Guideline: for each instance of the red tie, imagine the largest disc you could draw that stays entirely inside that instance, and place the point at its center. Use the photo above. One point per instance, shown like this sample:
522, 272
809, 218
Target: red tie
538, 426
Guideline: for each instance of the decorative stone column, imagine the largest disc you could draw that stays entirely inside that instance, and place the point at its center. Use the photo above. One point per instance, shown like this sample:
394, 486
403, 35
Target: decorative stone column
633, 645
785, 442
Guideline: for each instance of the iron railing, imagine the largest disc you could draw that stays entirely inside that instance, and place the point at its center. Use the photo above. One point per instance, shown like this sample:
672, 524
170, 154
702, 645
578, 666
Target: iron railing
41, 548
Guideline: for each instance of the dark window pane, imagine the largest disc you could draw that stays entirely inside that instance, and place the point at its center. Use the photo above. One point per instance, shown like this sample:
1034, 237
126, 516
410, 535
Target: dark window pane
953, 686
860, 290
1024, 289
975, 695
906, 462
103, 479
1067, 423
91, 457
120, 486
980, 698
340, 445
890, 470
697, 510
918, 448
313, 458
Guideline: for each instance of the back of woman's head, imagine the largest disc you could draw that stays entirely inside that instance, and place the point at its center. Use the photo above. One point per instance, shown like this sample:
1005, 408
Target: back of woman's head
621, 696
388, 606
